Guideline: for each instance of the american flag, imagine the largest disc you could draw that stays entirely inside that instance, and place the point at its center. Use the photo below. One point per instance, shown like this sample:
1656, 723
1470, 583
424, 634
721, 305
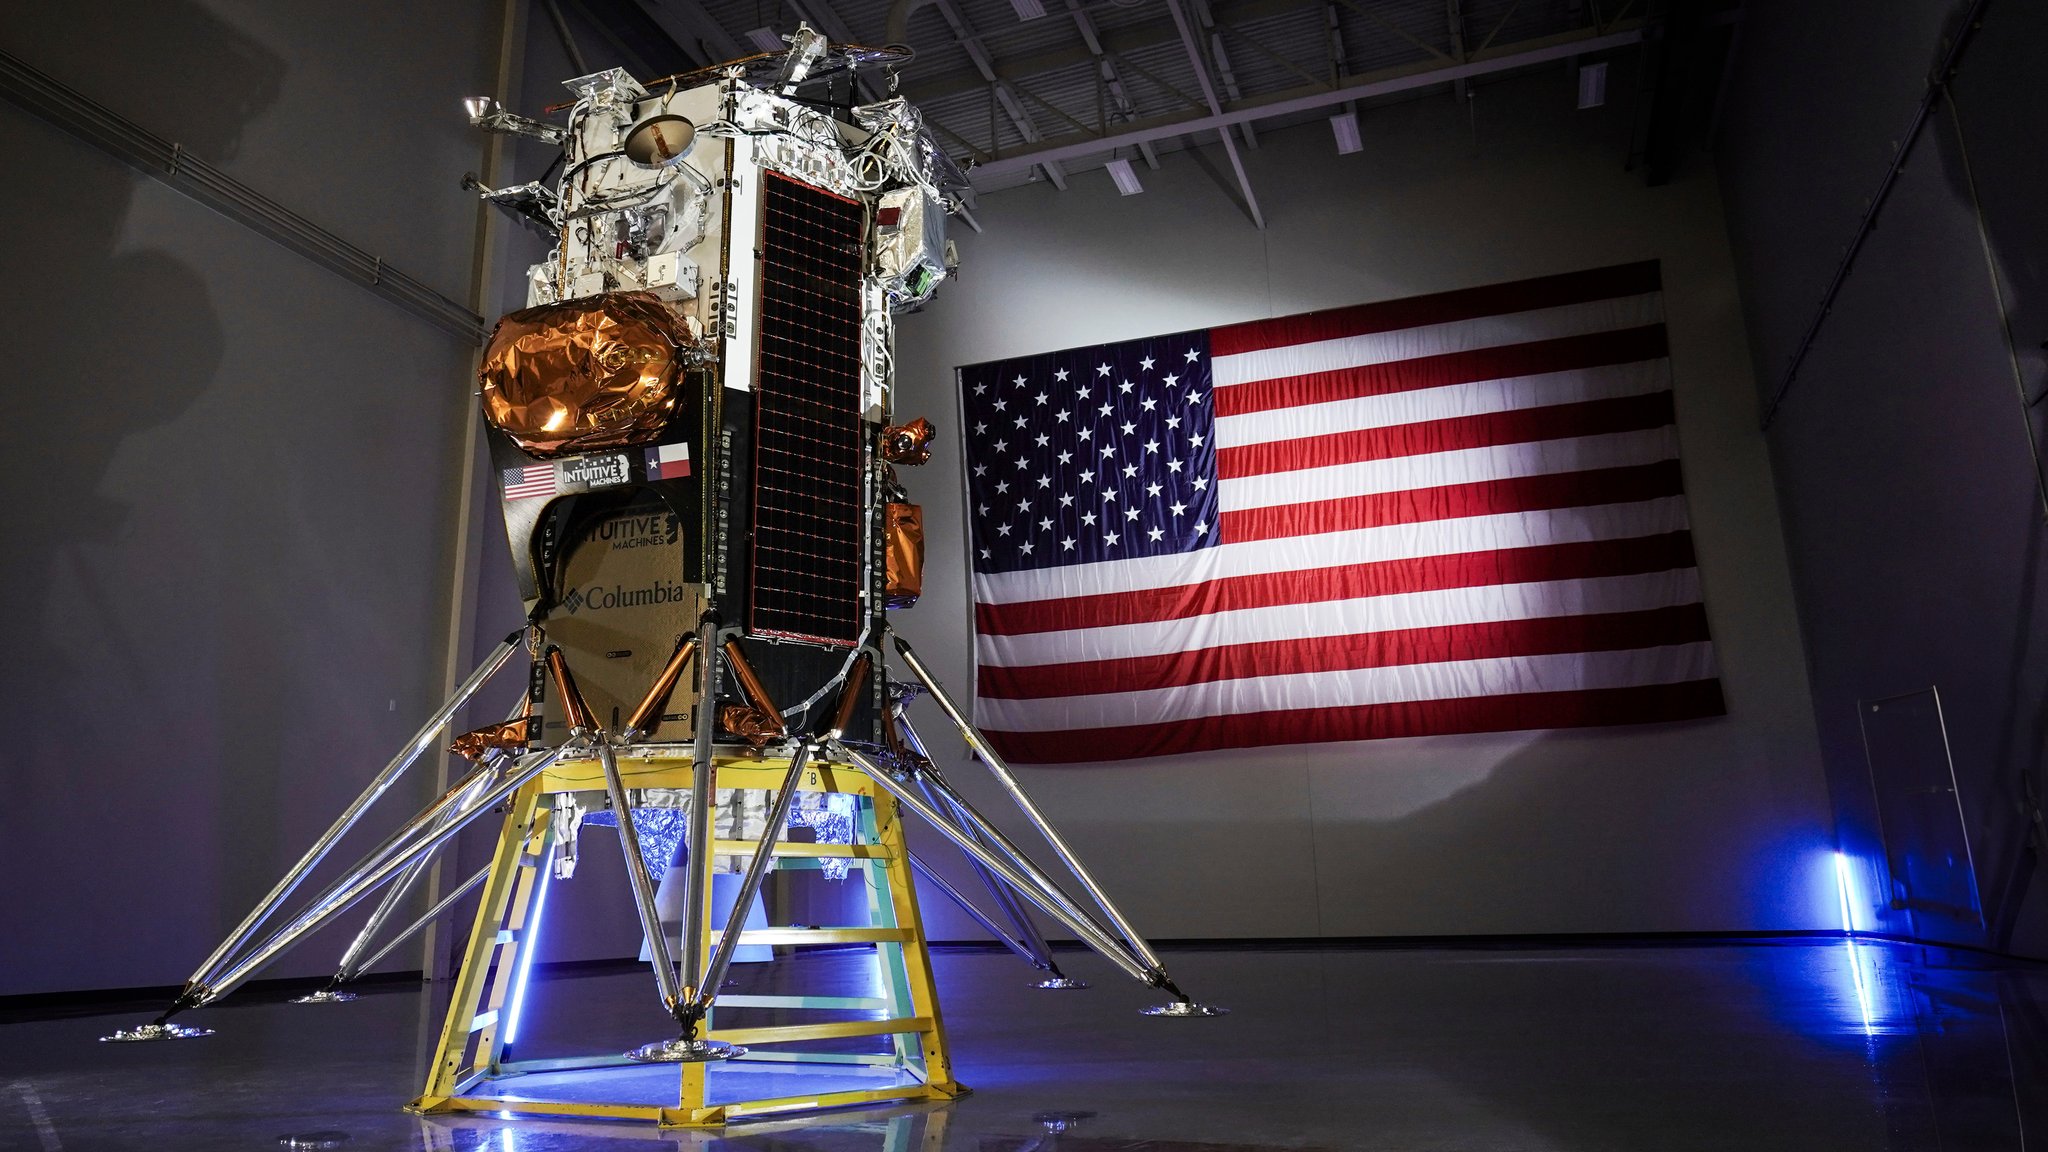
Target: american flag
1451, 513
528, 481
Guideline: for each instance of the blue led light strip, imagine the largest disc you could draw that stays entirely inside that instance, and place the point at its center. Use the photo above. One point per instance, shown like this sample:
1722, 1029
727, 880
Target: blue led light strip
1842, 893
529, 943
1849, 930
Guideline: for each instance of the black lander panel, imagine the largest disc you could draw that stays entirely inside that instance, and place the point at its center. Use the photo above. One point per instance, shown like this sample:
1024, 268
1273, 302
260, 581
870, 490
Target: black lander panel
805, 577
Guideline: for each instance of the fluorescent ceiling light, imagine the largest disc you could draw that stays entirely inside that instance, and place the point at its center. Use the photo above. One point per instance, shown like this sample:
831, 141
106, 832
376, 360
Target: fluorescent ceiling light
1028, 9
765, 40
1126, 180
1345, 125
1593, 85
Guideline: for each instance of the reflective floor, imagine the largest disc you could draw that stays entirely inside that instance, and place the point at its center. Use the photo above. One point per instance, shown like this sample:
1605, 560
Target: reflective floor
1805, 1045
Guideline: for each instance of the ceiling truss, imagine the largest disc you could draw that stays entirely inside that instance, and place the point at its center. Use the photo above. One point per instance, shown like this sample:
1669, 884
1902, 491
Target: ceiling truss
1182, 21
1308, 98
1132, 76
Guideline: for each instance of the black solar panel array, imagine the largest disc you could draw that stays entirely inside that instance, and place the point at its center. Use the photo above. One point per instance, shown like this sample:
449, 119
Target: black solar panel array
808, 479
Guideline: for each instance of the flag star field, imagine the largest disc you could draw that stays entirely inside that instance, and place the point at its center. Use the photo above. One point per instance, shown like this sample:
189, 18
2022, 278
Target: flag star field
1092, 454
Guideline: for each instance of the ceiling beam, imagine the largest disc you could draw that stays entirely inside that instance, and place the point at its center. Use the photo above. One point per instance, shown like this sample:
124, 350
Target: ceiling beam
1327, 80
1112, 78
1221, 58
1502, 23
697, 25
1201, 67
1454, 13
1384, 82
643, 42
1115, 43
1340, 62
1426, 47
692, 45
1019, 115
1230, 86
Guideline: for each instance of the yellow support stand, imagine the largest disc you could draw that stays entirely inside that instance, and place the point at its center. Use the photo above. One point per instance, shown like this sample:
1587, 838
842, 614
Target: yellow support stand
468, 1074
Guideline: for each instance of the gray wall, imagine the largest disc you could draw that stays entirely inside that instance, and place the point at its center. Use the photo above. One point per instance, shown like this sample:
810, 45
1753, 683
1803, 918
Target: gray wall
230, 494
1902, 452
1713, 825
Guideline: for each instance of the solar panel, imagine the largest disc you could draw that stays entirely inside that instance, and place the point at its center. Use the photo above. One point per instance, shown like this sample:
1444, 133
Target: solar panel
808, 480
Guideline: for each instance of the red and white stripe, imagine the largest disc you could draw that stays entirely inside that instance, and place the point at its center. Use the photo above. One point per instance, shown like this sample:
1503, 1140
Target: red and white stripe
1452, 513
532, 480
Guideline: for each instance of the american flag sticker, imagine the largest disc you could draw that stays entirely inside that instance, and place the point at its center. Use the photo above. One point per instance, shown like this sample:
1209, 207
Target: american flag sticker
668, 462
529, 482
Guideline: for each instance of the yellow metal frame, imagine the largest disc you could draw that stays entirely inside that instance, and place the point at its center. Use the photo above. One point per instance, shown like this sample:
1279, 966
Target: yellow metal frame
471, 1049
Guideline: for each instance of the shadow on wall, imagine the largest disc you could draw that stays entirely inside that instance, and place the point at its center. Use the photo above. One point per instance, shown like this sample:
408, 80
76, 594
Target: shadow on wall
112, 340
1989, 129
107, 340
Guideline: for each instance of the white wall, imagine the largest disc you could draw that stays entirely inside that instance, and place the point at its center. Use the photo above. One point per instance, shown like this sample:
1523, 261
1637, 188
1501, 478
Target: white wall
1714, 825
230, 485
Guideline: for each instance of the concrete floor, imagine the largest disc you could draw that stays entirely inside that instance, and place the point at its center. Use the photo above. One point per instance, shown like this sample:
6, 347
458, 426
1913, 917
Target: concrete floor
1802, 1045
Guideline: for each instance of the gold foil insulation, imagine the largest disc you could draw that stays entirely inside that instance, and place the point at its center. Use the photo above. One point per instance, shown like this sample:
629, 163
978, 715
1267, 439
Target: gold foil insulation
750, 724
511, 736
594, 373
903, 560
573, 708
908, 443
755, 691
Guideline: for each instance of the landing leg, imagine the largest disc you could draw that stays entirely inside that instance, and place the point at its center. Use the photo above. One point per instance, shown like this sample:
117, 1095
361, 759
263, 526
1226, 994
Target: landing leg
1127, 936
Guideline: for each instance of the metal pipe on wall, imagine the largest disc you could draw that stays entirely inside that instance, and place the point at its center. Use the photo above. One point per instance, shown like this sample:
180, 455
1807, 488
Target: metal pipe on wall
1937, 84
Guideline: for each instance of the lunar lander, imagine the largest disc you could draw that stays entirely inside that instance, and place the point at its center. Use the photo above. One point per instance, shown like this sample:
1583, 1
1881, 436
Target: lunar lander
692, 425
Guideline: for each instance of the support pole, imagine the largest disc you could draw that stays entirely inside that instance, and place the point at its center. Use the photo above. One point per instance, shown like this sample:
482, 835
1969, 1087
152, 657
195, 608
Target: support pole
581, 724
643, 885
410, 845
414, 841
750, 885
386, 907
694, 992
1032, 943
979, 917
647, 717
321, 847
431, 914
1035, 949
434, 816
1038, 950
1001, 771
351, 964
778, 816
997, 890
979, 827
702, 773
1111, 949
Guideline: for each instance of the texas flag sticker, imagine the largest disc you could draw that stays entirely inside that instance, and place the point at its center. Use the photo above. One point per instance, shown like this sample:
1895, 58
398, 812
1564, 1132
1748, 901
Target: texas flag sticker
668, 462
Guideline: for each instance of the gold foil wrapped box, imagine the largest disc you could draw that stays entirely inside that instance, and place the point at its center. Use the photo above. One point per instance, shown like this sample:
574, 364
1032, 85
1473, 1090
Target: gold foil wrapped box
601, 372
904, 557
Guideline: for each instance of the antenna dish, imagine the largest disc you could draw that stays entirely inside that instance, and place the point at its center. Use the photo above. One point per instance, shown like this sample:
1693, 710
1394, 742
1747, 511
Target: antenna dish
660, 140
